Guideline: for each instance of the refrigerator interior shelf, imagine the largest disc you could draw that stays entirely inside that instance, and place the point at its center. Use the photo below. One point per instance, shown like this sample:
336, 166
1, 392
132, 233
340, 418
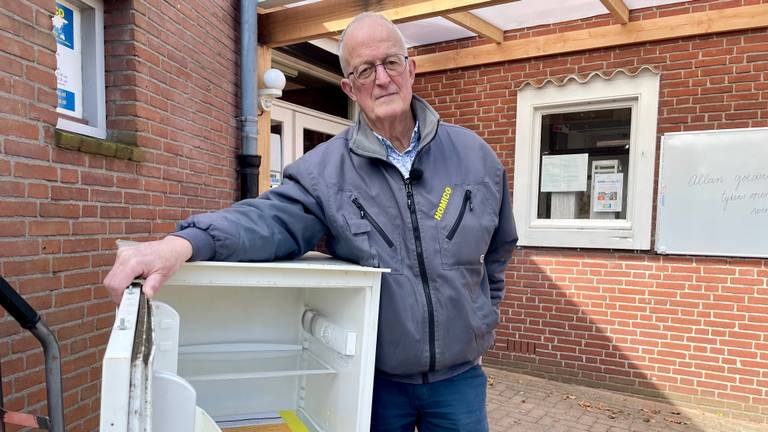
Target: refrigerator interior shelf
221, 362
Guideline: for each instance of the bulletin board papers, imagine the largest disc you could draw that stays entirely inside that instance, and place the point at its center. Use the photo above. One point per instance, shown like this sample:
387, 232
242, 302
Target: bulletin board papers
606, 195
564, 173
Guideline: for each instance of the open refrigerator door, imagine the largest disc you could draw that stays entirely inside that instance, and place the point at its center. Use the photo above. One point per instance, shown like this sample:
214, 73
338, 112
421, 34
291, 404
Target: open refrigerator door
140, 391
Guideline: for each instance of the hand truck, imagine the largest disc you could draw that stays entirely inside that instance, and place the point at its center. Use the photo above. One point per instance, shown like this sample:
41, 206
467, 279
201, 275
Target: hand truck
29, 319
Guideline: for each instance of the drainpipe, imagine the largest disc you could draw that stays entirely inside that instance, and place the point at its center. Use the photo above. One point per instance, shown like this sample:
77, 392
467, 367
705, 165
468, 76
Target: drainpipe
248, 162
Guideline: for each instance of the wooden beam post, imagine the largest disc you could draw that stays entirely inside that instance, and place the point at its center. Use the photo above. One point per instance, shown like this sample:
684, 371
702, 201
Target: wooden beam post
264, 59
475, 24
618, 9
636, 32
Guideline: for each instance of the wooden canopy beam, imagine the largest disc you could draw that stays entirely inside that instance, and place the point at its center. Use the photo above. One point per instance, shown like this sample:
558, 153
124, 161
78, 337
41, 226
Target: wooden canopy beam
618, 9
701, 23
264, 58
323, 19
475, 24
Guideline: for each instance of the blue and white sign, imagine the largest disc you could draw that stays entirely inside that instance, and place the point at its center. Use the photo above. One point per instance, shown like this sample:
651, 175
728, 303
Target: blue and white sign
64, 26
69, 68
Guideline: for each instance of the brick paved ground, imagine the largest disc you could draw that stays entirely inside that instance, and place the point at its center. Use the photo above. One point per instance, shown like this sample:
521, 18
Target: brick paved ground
520, 403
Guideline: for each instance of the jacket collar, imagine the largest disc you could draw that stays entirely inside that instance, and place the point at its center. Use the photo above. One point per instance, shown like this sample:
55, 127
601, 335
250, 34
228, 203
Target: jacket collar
365, 143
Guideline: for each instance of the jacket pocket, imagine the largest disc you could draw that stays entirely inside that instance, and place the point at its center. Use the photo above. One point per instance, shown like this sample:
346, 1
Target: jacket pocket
356, 246
367, 216
467, 225
370, 237
465, 203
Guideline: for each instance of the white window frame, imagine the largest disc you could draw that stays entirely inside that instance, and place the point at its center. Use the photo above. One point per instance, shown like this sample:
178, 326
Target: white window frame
92, 40
641, 93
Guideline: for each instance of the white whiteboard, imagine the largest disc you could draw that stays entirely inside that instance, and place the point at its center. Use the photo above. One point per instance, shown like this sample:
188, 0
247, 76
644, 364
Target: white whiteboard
713, 193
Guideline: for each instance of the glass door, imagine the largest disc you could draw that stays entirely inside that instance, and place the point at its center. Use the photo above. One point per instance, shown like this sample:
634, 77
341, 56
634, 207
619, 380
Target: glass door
297, 130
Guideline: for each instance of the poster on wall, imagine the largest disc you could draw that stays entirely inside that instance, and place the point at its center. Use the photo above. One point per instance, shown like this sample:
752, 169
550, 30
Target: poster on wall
564, 173
606, 194
69, 74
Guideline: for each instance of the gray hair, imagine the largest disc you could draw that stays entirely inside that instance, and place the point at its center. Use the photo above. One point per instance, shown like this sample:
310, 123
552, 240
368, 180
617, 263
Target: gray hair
361, 17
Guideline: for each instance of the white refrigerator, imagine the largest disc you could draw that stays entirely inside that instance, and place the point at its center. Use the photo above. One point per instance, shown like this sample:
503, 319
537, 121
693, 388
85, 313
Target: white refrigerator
286, 344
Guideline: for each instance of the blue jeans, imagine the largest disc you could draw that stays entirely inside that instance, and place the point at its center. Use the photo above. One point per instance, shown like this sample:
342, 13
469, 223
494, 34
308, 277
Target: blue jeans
454, 404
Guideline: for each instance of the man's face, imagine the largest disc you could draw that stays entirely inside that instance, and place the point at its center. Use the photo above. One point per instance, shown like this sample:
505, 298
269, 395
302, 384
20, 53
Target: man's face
385, 98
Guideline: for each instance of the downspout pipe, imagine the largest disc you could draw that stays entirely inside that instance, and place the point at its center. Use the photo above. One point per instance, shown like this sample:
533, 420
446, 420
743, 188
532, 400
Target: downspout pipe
248, 161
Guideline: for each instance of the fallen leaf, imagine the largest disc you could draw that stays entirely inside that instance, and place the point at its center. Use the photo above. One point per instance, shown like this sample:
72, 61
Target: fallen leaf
676, 421
569, 397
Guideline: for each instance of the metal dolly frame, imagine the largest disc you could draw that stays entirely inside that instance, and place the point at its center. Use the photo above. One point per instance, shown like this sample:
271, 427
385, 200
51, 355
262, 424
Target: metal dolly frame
30, 320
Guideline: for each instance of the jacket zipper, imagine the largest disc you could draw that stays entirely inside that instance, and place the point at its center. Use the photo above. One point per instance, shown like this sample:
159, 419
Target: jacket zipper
423, 274
455, 227
365, 215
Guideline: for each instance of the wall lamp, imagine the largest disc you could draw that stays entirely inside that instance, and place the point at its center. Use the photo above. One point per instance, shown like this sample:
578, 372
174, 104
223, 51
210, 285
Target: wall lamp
273, 85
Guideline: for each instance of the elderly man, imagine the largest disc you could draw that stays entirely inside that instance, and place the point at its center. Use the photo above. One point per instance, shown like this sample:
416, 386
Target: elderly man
401, 190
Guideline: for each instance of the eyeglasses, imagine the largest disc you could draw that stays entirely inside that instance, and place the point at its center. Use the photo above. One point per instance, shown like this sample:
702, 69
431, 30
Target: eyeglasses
394, 65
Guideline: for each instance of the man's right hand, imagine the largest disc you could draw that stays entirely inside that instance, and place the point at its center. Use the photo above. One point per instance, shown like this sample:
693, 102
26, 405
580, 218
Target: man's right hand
154, 261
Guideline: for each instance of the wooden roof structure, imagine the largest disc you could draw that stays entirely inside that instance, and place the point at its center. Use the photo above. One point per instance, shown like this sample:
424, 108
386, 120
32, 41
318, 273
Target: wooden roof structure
285, 22
287, 25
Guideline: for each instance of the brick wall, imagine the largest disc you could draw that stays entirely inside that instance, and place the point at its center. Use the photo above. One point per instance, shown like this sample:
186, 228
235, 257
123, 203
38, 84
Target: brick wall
692, 329
172, 75
686, 326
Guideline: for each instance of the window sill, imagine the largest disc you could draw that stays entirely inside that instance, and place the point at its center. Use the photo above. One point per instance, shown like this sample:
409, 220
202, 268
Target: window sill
103, 147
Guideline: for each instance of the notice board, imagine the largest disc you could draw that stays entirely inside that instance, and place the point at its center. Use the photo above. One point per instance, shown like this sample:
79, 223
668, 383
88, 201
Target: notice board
713, 193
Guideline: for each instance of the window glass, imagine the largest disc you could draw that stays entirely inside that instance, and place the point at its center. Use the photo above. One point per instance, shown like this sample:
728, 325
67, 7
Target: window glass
584, 164
313, 138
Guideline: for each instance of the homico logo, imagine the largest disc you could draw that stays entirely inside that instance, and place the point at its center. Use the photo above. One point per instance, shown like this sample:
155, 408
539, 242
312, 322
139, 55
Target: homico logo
443, 202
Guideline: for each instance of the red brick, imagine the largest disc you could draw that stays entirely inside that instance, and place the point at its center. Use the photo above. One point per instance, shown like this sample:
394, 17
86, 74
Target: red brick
79, 228
34, 171
112, 196
12, 188
59, 210
72, 262
19, 128
68, 297
26, 267
97, 179
47, 228
80, 245
114, 212
18, 248
38, 190
67, 193
10, 228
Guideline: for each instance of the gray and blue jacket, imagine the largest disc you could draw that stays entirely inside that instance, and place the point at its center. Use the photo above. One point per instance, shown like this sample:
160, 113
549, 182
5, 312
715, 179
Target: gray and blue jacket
446, 234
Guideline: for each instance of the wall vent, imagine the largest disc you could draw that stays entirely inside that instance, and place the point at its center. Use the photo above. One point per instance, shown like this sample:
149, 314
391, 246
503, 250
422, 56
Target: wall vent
521, 347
